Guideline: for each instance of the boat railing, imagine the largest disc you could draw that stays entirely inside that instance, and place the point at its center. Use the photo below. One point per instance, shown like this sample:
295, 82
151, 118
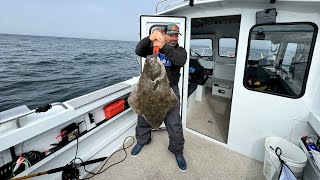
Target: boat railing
165, 4
22, 111
202, 50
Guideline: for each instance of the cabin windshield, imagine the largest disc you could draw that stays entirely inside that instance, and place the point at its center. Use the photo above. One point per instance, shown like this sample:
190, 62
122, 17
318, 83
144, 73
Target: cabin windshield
201, 47
278, 58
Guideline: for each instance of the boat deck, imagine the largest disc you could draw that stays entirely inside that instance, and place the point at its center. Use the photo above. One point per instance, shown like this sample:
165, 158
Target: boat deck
205, 160
211, 116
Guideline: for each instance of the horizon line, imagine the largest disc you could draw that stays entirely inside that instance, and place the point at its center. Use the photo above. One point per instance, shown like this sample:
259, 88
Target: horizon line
69, 37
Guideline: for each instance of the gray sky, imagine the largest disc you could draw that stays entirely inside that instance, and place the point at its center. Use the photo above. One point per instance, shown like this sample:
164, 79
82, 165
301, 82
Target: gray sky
100, 19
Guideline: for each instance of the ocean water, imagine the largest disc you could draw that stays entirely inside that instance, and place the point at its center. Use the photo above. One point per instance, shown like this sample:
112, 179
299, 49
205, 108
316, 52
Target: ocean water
37, 70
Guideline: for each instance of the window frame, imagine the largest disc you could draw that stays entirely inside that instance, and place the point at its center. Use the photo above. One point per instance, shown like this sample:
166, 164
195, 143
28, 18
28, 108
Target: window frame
202, 39
235, 50
309, 61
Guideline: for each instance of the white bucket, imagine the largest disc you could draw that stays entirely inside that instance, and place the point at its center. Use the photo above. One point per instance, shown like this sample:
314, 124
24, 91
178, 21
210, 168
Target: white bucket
292, 155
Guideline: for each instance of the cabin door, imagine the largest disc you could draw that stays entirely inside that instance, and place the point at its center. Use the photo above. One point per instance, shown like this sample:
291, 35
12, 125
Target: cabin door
149, 23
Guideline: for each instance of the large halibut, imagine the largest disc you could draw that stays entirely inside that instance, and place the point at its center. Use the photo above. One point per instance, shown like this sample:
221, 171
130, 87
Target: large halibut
153, 97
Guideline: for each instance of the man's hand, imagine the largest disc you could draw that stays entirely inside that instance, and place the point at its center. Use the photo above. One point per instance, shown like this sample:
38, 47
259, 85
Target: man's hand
158, 43
156, 35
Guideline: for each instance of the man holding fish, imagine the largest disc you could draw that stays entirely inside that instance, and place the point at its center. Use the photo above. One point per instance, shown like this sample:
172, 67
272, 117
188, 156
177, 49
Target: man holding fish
173, 57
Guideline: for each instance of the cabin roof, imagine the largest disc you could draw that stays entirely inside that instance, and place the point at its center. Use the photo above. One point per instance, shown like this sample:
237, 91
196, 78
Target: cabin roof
166, 7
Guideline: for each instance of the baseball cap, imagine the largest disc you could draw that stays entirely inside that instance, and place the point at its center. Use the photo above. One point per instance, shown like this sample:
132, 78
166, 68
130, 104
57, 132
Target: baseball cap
172, 29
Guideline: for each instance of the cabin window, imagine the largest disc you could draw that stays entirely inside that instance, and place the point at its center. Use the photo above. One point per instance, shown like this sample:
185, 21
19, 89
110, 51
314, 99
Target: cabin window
227, 47
201, 47
279, 57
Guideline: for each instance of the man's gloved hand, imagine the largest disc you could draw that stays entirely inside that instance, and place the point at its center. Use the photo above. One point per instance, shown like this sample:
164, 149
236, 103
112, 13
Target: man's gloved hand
156, 35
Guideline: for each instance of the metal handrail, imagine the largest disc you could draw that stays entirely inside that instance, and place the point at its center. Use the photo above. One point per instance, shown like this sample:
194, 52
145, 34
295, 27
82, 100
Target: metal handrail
163, 1
17, 117
173, 4
159, 4
203, 50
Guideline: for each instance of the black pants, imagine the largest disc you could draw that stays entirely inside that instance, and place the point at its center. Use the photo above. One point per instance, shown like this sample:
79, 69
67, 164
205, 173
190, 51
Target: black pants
173, 124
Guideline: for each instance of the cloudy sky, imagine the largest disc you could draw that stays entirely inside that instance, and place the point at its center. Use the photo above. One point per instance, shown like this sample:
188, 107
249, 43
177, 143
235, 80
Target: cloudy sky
100, 19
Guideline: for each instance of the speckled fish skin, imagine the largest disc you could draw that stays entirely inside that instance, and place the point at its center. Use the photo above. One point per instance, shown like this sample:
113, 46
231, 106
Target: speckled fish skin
153, 97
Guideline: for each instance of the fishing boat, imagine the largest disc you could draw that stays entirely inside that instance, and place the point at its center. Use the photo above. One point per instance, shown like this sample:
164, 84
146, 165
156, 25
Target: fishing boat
251, 73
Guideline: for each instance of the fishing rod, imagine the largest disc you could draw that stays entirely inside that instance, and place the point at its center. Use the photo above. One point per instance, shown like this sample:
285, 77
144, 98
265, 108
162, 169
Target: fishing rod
69, 171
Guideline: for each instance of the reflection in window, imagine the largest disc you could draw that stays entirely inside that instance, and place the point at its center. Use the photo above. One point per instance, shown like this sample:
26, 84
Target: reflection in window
201, 47
279, 58
159, 27
227, 47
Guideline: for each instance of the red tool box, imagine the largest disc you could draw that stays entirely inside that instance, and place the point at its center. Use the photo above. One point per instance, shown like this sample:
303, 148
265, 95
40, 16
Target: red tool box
114, 108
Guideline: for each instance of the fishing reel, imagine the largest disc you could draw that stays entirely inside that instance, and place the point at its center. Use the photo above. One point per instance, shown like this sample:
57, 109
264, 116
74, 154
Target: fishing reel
70, 172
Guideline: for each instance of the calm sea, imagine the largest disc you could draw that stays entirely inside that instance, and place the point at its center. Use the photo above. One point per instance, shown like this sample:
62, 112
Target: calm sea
37, 70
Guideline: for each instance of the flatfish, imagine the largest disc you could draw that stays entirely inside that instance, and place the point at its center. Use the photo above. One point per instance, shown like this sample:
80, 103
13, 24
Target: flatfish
153, 97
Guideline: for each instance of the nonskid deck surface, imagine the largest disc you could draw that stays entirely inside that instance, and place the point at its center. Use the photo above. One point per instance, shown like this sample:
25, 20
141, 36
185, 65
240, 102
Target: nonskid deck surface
205, 160
211, 116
